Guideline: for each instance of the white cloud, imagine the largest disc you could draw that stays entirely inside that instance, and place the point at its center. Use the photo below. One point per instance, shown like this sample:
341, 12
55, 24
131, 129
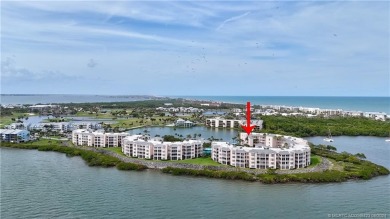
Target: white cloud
232, 19
281, 43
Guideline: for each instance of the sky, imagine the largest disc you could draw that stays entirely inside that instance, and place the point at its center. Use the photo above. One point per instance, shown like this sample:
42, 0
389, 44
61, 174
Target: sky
209, 48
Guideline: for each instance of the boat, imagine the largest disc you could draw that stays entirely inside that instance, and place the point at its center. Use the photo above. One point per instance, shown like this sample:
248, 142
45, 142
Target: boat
329, 138
388, 140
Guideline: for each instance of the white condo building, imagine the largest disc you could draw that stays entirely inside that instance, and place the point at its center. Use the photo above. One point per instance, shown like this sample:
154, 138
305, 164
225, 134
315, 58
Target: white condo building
156, 149
14, 135
184, 123
232, 123
266, 151
97, 138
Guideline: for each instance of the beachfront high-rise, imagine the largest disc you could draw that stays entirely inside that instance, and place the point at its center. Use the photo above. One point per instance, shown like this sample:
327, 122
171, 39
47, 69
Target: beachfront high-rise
263, 151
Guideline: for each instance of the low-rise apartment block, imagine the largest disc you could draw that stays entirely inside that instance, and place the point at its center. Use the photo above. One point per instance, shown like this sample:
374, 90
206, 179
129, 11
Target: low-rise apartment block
265, 151
232, 123
184, 123
156, 149
90, 138
14, 135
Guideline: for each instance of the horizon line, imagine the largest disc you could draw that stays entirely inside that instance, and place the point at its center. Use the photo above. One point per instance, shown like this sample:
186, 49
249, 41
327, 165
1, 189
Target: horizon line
181, 96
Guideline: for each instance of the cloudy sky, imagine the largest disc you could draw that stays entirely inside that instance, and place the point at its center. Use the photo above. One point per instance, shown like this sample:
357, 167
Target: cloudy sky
255, 48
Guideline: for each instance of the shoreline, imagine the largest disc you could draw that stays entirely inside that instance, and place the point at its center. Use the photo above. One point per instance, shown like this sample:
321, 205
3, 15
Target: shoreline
106, 158
196, 98
283, 105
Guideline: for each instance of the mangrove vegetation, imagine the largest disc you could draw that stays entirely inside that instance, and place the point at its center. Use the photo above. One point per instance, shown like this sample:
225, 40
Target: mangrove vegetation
304, 127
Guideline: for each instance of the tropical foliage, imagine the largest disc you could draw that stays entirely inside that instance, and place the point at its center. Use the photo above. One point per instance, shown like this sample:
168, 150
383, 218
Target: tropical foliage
304, 127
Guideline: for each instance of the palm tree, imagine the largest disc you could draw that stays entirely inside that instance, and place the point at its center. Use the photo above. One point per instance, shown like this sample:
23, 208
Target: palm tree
234, 139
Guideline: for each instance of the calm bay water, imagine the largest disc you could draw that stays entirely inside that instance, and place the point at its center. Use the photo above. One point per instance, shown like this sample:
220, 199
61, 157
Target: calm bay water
50, 185
225, 134
375, 148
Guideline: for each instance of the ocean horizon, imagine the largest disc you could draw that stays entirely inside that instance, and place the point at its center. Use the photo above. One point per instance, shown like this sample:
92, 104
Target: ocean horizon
347, 103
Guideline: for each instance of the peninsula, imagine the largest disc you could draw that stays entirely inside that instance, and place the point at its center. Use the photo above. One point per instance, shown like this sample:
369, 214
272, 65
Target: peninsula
98, 132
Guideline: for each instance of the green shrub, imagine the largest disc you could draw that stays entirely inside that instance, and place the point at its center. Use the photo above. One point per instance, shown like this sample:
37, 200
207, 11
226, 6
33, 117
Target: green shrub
130, 166
210, 173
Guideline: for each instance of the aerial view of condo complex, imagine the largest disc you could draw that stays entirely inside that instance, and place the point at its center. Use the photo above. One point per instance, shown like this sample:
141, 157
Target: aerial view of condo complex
195, 109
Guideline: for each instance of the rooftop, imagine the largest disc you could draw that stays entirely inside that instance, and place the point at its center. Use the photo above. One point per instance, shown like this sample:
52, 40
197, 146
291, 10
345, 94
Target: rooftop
11, 131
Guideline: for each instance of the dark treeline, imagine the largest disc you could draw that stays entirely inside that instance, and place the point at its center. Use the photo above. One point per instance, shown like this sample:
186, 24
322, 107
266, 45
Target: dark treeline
171, 138
90, 157
10, 111
304, 127
211, 173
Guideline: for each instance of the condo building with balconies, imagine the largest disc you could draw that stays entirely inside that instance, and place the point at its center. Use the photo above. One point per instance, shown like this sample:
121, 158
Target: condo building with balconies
263, 151
232, 123
142, 147
84, 137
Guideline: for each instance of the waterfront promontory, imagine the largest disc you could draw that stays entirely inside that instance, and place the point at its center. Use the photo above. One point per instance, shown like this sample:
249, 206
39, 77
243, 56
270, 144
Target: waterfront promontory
103, 135
342, 167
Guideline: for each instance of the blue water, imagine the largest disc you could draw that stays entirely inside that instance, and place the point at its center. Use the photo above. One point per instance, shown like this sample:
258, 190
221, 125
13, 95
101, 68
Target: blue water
365, 104
38, 184
205, 132
376, 149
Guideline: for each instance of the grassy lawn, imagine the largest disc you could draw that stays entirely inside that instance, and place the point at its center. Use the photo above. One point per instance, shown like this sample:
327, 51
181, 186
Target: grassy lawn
315, 160
44, 142
201, 161
117, 150
93, 115
337, 165
133, 122
6, 120
129, 122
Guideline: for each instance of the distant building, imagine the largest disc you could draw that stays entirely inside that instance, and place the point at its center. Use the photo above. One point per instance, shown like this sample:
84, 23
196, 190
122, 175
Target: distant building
63, 126
52, 126
375, 115
42, 107
236, 110
14, 135
232, 123
180, 109
184, 123
15, 125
